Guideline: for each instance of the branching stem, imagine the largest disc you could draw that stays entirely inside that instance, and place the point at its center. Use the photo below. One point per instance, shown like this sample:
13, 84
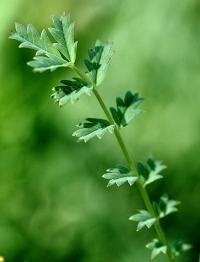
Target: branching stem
143, 192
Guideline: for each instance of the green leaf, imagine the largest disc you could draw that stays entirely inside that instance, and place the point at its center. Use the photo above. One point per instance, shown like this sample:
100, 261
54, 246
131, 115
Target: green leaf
119, 176
180, 247
150, 172
126, 109
52, 62
48, 56
157, 248
93, 127
144, 218
70, 91
166, 206
98, 61
63, 33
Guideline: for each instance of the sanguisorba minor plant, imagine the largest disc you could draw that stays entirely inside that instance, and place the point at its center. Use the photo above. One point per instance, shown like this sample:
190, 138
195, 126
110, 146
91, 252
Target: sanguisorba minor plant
61, 52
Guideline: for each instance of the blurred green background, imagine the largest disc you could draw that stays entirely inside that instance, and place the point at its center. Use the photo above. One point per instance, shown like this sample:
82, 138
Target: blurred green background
54, 205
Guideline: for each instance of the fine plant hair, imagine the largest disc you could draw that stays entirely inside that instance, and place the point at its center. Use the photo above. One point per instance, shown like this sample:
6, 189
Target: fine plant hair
62, 53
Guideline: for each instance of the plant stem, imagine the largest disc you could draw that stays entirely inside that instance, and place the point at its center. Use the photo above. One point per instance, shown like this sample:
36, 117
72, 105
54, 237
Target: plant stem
143, 192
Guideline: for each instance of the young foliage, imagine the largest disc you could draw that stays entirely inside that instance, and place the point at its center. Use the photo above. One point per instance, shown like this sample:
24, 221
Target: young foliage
119, 176
92, 127
166, 206
126, 109
62, 53
98, 61
70, 91
144, 218
49, 56
180, 247
63, 33
150, 171
157, 248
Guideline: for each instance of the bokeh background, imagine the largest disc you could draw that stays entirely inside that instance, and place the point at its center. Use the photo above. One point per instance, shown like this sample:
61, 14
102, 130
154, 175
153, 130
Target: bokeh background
54, 205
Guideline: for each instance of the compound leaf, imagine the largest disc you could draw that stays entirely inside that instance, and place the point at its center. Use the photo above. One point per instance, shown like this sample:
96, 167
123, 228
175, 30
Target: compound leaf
157, 248
93, 127
126, 109
150, 171
119, 176
144, 218
48, 56
70, 90
166, 206
98, 61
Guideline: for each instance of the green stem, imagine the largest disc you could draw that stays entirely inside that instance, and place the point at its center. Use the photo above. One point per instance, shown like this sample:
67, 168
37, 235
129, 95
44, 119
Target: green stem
131, 164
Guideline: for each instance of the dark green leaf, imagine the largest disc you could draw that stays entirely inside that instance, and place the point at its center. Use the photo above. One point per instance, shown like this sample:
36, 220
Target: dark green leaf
126, 109
166, 206
144, 218
115, 115
157, 248
71, 90
180, 247
93, 127
150, 171
98, 61
119, 176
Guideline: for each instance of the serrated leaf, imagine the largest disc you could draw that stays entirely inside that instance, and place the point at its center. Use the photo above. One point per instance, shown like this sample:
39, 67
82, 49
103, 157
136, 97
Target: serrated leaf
119, 176
70, 91
126, 109
157, 248
93, 127
180, 247
63, 33
144, 218
150, 171
98, 61
42, 63
48, 55
166, 206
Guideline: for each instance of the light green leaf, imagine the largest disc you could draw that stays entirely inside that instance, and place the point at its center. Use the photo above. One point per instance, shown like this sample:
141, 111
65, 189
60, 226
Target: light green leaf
119, 176
166, 206
157, 248
42, 63
126, 109
144, 218
31, 38
98, 61
180, 247
93, 127
150, 172
63, 33
70, 91
49, 56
